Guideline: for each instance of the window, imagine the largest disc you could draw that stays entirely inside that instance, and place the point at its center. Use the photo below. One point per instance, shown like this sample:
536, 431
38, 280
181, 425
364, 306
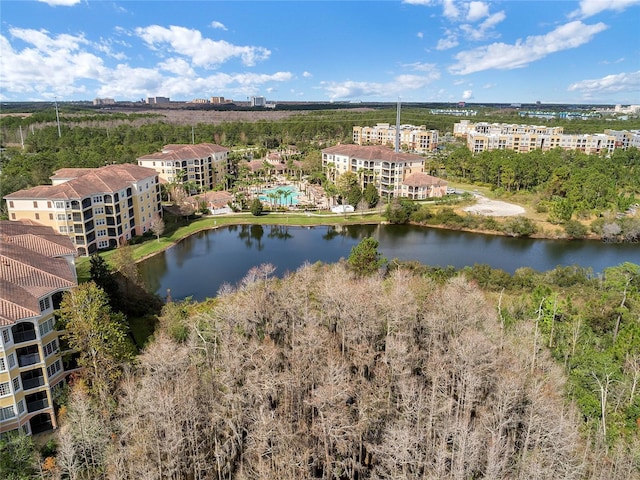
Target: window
59, 204
48, 204
46, 327
101, 233
97, 199
16, 384
45, 304
13, 216
54, 368
51, 216
20, 407
4, 389
3, 364
51, 347
61, 217
100, 221
35, 204
103, 244
37, 216
98, 210
63, 229
11, 203
12, 360
5, 336
7, 412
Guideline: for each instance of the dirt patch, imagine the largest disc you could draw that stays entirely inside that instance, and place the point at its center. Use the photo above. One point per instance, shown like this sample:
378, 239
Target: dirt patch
494, 208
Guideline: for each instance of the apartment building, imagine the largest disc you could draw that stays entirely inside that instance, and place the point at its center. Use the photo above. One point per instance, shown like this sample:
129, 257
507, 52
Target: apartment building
36, 266
97, 208
379, 165
525, 138
412, 138
204, 165
420, 186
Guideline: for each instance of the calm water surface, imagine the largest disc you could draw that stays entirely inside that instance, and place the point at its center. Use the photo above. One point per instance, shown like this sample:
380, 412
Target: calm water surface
199, 265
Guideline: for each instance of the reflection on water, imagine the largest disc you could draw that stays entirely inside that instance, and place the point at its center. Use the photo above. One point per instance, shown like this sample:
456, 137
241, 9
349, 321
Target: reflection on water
199, 265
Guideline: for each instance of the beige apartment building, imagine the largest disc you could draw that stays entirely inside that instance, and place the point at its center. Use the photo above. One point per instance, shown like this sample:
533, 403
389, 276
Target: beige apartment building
97, 208
412, 138
204, 165
36, 266
379, 165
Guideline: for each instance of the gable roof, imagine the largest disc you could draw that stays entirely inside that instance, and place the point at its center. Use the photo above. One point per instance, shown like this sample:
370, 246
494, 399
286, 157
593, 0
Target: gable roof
107, 179
40, 239
372, 152
185, 152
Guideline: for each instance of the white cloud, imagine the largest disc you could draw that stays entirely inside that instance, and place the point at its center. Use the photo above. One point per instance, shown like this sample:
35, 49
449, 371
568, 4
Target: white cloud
505, 56
218, 25
483, 30
420, 35
48, 65
400, 85
177, 66
418, 2
489, 85
60, 3
450, 10
203, 52
449, 41
621, 82
306, 75
477, 10
423, 67
467, 94
588, 8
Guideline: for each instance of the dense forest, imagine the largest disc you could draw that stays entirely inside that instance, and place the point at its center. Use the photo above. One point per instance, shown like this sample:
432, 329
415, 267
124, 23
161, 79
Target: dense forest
356, 371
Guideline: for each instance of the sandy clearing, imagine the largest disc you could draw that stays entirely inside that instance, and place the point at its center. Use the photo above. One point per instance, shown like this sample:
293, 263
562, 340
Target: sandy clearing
494, 208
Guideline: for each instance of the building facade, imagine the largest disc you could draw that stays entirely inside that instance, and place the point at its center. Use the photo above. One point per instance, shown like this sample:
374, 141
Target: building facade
420, 186
412, 138
37, 265
96, 208
382, 166
484, 136
204, 165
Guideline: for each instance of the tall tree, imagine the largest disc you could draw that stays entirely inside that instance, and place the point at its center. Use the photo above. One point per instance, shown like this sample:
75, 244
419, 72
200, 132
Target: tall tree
99, 334
365, 259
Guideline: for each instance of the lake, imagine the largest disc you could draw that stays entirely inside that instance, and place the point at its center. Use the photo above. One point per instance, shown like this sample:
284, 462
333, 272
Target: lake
200, 264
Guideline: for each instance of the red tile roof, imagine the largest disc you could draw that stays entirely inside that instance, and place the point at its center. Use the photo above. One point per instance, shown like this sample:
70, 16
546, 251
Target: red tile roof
185, 152
28, 272
372, 152
419, 179
108, 179
36, 237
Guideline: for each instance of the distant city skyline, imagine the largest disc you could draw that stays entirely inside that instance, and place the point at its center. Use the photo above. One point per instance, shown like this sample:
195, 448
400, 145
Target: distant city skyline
439, 51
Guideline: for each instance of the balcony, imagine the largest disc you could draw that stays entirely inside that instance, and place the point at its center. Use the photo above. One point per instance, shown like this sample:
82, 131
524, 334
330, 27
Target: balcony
25, 336
29, 359
28, 355
32, 379
37, 401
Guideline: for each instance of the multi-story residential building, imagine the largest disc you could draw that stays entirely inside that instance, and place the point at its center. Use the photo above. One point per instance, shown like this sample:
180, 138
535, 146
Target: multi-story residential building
420, 186
382, 166
524, 138
96, 208
412, 138
204, 165
36, 266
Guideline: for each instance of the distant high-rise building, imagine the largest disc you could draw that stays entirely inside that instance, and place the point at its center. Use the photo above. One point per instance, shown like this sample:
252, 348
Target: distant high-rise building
258, 101
156, 100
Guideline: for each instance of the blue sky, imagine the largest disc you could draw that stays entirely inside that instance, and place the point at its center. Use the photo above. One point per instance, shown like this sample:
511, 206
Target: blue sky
584, 51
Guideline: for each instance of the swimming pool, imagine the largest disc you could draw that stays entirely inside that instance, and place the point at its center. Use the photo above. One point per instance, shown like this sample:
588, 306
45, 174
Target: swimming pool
284, 195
